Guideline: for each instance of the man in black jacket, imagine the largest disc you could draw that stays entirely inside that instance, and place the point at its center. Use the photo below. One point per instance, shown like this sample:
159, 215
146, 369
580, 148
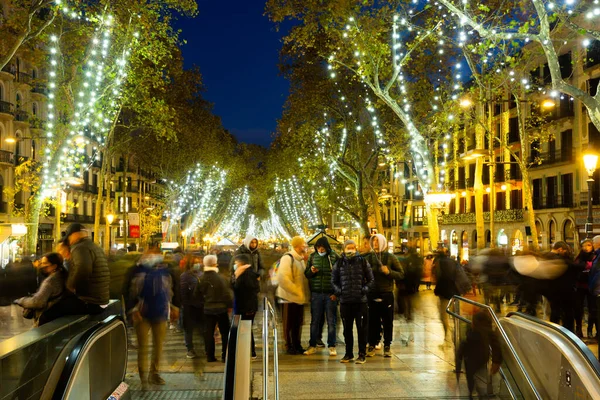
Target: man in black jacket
386, 269
246, 287
352, 278
217, 301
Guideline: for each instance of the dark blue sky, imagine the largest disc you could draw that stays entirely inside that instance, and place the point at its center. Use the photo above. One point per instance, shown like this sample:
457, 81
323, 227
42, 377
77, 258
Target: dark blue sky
237, 50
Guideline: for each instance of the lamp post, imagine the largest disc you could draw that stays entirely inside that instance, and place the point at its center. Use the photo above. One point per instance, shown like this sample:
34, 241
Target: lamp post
590, 160
109, 220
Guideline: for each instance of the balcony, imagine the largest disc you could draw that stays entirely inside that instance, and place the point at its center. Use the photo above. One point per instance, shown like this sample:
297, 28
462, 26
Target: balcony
7, 157
78, 218
469, 218
554, 157
22, 77
22, 116
40, 88
560, 201
7, 108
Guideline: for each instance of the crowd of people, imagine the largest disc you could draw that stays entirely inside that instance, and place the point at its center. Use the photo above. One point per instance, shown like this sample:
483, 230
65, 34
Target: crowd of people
366, 285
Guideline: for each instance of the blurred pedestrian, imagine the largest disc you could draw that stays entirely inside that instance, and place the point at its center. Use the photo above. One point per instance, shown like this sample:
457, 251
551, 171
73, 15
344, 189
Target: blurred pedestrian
293, 293
153, 290
323, 301
481, 344
408, 287
192, 302
445, 270
218, 299
585, 259
427, 267
352, 279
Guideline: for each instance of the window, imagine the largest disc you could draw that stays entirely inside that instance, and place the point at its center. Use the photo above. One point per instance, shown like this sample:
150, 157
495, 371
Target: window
418, 214
593, 86
566, 67
594, 135
497, 109
513, 130
593, 54
34, 109
34, 73
547, 78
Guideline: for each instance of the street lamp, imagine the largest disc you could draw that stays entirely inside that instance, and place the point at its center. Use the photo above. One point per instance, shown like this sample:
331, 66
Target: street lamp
590, 160
109, 220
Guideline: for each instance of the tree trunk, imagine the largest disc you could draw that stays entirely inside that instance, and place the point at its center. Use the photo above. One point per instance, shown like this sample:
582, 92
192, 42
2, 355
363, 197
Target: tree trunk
433, 226
32, 218
376, 211
479, 220
98, 213
528, 200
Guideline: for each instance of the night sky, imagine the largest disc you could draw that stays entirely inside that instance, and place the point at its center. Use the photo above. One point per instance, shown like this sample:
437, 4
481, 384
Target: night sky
236, 48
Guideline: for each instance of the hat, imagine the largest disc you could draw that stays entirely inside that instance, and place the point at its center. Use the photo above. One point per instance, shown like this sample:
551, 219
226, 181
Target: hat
297, 241
210, 260
73, 228
349, 242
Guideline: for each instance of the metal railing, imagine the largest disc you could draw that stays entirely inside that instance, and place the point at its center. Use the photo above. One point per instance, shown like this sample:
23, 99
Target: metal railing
528, 390
270, 312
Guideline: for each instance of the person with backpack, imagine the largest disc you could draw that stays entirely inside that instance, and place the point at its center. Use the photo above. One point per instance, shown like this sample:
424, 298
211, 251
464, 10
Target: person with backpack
154, 297
386, 269
245, 289
352, 278
323, 301
293, 293
218, 300
192, 302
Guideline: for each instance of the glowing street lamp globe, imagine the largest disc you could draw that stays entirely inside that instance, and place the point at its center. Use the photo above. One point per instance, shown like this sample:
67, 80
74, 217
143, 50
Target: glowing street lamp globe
590, 160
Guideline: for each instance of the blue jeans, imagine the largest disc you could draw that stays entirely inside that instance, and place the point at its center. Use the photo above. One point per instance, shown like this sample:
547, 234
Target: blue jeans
321, 304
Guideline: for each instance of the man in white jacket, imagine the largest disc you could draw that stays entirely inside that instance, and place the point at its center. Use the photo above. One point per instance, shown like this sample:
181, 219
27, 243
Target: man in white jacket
293, 292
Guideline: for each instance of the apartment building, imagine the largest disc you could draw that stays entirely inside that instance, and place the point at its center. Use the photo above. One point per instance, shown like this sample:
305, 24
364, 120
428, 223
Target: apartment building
558, 176
23, 112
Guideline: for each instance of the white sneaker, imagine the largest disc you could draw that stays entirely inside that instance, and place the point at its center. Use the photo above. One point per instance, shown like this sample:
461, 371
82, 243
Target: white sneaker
310, 350
378, 346
332, 351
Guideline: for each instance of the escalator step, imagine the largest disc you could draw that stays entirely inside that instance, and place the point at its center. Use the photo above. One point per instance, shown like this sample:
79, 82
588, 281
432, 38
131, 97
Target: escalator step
176, 394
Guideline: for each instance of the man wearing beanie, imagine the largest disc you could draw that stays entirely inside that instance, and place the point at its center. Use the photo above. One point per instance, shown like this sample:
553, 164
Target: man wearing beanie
323, 301
352, 279
217, 300
386, 269
293, 293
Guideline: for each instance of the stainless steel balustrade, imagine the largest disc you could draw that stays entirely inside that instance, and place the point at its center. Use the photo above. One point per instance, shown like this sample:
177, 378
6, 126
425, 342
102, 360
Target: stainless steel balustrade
267, 322
518, 382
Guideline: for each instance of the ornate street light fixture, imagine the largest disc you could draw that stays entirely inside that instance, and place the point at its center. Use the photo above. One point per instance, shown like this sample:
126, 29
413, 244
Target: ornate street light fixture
590, 160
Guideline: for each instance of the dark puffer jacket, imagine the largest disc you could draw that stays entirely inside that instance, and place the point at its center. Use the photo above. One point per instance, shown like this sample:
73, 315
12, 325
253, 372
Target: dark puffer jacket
89, 276
352, 278
320, 282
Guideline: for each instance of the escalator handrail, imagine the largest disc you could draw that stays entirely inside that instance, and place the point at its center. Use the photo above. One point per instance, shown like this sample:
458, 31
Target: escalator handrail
502, 332
229, 379
583, 349
73, 357
269, 311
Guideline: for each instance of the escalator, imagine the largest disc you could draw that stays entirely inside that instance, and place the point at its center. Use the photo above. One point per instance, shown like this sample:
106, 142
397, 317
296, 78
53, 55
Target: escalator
541, 360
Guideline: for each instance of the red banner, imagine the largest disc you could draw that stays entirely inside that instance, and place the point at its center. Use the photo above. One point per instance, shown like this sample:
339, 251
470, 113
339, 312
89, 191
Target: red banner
134, 231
